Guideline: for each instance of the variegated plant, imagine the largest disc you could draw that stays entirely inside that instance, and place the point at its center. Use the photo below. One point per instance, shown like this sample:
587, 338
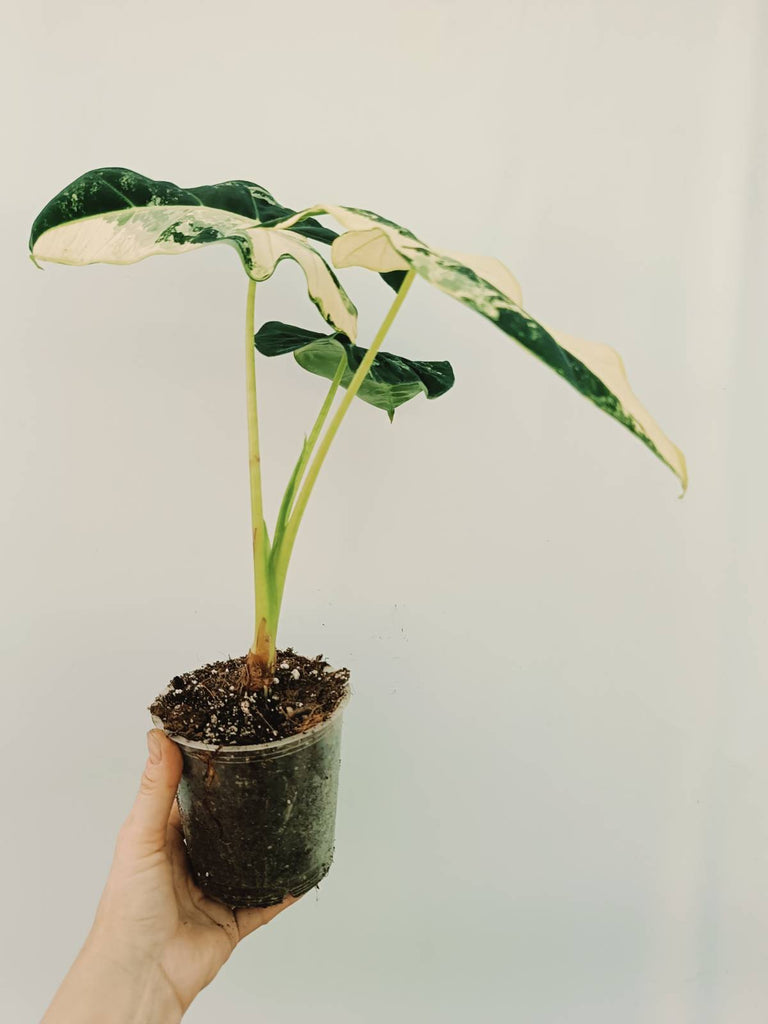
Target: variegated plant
113, 215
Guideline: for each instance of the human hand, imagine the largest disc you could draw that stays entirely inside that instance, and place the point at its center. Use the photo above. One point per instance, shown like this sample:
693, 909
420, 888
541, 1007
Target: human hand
156, 940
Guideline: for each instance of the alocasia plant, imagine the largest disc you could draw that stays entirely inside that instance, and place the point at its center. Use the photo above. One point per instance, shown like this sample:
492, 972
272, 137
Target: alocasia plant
114, 215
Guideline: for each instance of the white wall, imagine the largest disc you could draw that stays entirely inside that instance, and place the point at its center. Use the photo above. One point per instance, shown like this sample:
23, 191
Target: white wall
554, 775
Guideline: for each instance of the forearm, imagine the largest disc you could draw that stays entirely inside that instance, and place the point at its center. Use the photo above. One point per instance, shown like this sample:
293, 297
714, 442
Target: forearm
102, 988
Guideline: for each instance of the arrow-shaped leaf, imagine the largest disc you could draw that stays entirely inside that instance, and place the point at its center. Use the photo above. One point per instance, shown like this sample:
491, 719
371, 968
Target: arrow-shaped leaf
391, 381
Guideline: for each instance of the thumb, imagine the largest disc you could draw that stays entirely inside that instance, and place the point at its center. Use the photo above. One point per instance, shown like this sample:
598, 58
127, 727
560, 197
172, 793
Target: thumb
148, 819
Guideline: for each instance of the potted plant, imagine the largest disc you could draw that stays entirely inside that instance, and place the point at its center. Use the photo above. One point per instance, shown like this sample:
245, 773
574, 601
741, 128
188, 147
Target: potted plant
260, 734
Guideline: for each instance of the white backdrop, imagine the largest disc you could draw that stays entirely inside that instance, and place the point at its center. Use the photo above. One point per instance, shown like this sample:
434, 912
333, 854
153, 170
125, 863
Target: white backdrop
553, 789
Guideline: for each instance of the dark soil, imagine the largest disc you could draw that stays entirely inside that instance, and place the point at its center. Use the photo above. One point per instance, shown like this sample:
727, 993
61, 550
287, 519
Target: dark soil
213, 704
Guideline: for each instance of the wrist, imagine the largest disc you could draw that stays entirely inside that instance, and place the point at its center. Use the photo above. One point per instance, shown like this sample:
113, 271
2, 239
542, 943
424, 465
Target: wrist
137, 973
109, 944
111, 983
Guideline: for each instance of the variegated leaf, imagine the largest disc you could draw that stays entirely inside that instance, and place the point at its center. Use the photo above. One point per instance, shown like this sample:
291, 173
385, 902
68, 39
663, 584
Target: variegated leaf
390, 382
487, 287
608, 367
113, 215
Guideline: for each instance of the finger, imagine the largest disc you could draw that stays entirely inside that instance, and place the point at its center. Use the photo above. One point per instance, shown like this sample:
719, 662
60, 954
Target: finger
187, 890
174, 834
250, 918
175, 817
176, 851
148, 820
175, 831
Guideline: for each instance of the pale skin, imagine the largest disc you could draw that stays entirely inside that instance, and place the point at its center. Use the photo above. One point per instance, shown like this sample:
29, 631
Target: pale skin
156, 940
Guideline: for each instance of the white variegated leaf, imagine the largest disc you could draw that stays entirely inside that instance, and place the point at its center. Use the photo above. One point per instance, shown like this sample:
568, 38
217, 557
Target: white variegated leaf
113, 215
606, 364
490, 269
486, 286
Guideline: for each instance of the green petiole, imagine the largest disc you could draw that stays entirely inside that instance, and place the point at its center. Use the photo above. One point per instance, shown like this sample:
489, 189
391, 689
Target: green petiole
270, 561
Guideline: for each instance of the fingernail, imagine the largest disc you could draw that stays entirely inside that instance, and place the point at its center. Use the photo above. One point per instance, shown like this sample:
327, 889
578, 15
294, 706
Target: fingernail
155, 747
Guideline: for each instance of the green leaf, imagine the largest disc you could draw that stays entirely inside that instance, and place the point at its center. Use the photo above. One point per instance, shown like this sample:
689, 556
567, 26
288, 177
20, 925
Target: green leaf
114, 215
487, 286
391, 380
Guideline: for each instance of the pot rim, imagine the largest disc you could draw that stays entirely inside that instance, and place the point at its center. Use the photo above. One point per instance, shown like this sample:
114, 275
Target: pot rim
275, 747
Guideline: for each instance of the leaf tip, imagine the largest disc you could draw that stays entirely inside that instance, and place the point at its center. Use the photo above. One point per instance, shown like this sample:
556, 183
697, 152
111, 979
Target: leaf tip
682, 474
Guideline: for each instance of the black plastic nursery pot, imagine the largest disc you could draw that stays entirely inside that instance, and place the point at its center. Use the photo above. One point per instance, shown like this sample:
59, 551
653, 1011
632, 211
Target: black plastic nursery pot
259, 821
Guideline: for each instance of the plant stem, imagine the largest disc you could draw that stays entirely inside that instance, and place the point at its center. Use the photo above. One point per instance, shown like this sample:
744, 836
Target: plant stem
306, 452
293, 485
262, 654
322, 416
289, 537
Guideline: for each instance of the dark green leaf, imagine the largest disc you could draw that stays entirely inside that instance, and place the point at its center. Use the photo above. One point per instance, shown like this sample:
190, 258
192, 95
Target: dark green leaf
116, 188
391, 380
